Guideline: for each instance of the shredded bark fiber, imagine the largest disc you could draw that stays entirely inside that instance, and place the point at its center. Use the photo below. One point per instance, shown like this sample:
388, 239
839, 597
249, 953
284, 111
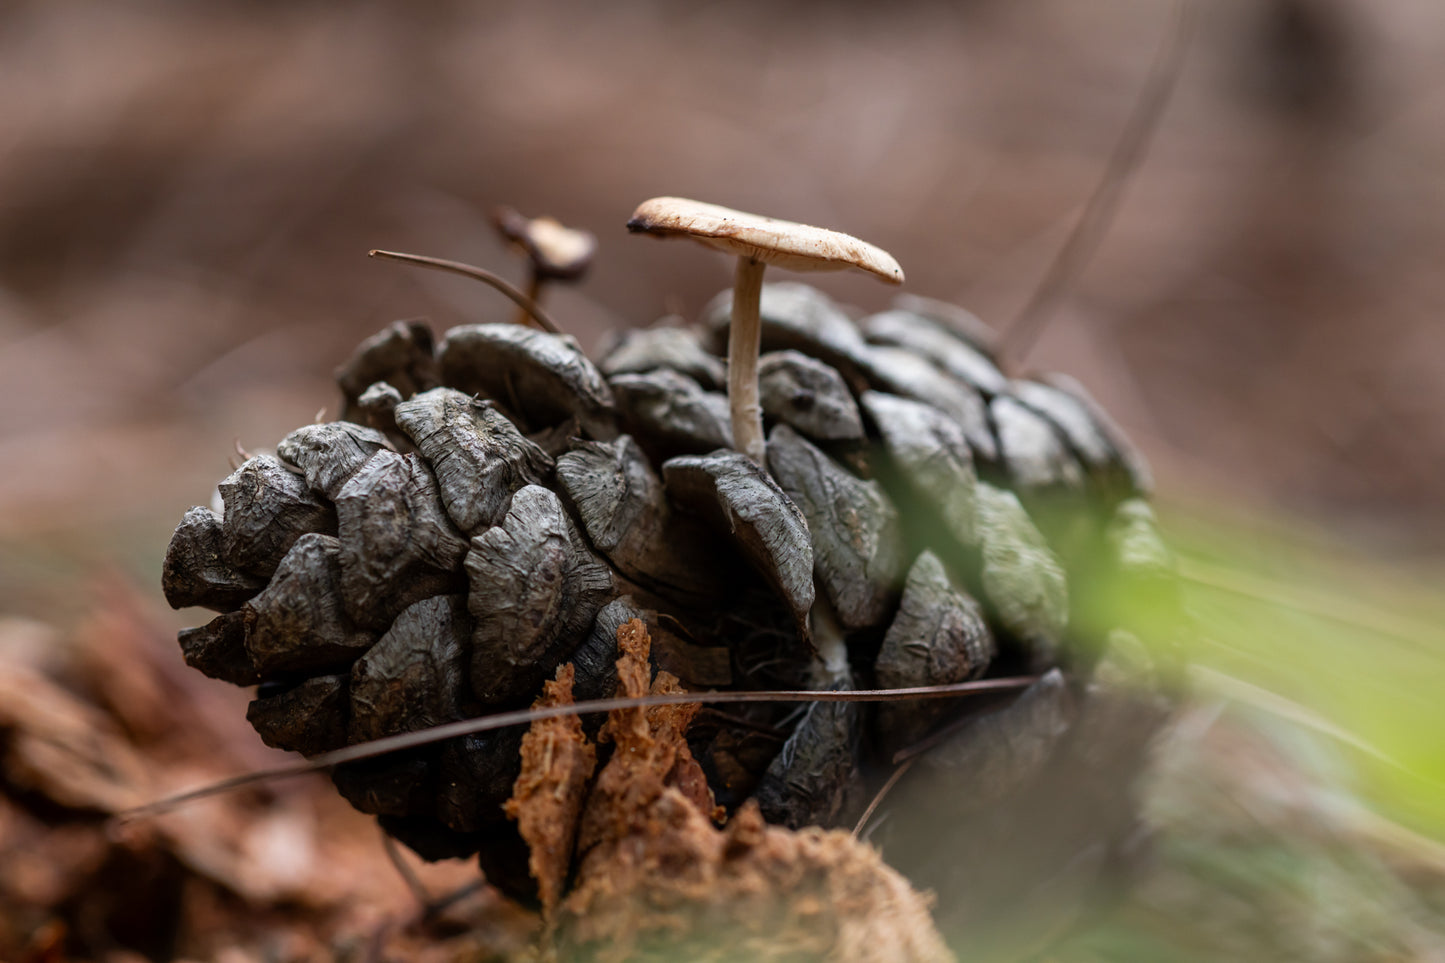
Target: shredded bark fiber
656, 878
557, 762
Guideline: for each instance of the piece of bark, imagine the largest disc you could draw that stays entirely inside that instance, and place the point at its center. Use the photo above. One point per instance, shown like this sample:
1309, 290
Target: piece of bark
414, 677
535, 588
400, 354
546, 802
815, 773
931, 340
1033, 454
297, 624
218, 649
932, 454
670, 414
857, 548
808, 395
543, 377
938, 637
641, 350
613, 489
328, 454
798, 317
901, 372
960, 322
741, 502
267, 508
479, 457
308, 718
397, 544
196, 570
474, 778
1131, 466
1023, 582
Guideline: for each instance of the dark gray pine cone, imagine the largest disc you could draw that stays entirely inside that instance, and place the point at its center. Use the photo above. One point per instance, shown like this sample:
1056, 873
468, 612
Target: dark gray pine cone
496, 504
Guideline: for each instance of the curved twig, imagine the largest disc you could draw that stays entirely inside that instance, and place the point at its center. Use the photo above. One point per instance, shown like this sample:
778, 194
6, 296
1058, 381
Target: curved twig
543, 319
1103, 204
522, 717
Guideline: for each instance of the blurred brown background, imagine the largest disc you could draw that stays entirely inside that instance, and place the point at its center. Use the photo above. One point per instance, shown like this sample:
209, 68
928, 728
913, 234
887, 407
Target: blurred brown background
188, 192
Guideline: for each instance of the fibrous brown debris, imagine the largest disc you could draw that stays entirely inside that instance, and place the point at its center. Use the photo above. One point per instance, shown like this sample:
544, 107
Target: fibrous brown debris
658, 880
557, 762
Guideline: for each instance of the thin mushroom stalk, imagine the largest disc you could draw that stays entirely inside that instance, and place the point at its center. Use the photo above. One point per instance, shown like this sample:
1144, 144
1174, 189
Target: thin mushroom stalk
745, 338
554, 251
757, 242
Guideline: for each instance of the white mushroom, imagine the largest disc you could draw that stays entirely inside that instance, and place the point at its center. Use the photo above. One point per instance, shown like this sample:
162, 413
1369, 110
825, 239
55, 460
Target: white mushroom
757, 241
554, 251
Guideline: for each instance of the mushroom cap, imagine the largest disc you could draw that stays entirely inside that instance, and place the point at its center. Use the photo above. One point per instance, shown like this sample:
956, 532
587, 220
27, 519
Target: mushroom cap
556, 251
797, 247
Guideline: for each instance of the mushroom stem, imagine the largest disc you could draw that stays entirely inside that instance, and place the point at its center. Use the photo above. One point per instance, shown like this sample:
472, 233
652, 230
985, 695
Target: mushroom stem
534, 294
745, 336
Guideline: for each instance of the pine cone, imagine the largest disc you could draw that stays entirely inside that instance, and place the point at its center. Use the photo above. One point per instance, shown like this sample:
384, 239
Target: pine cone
497, 504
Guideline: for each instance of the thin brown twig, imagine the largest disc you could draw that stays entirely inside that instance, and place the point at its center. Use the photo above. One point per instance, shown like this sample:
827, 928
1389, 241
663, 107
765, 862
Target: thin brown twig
521, 717
883, 791
1103, 204
543, 319
407, 874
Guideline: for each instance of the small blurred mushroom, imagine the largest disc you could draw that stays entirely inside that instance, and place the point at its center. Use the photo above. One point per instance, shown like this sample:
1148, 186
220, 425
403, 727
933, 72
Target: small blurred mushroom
554, 251
757, 241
